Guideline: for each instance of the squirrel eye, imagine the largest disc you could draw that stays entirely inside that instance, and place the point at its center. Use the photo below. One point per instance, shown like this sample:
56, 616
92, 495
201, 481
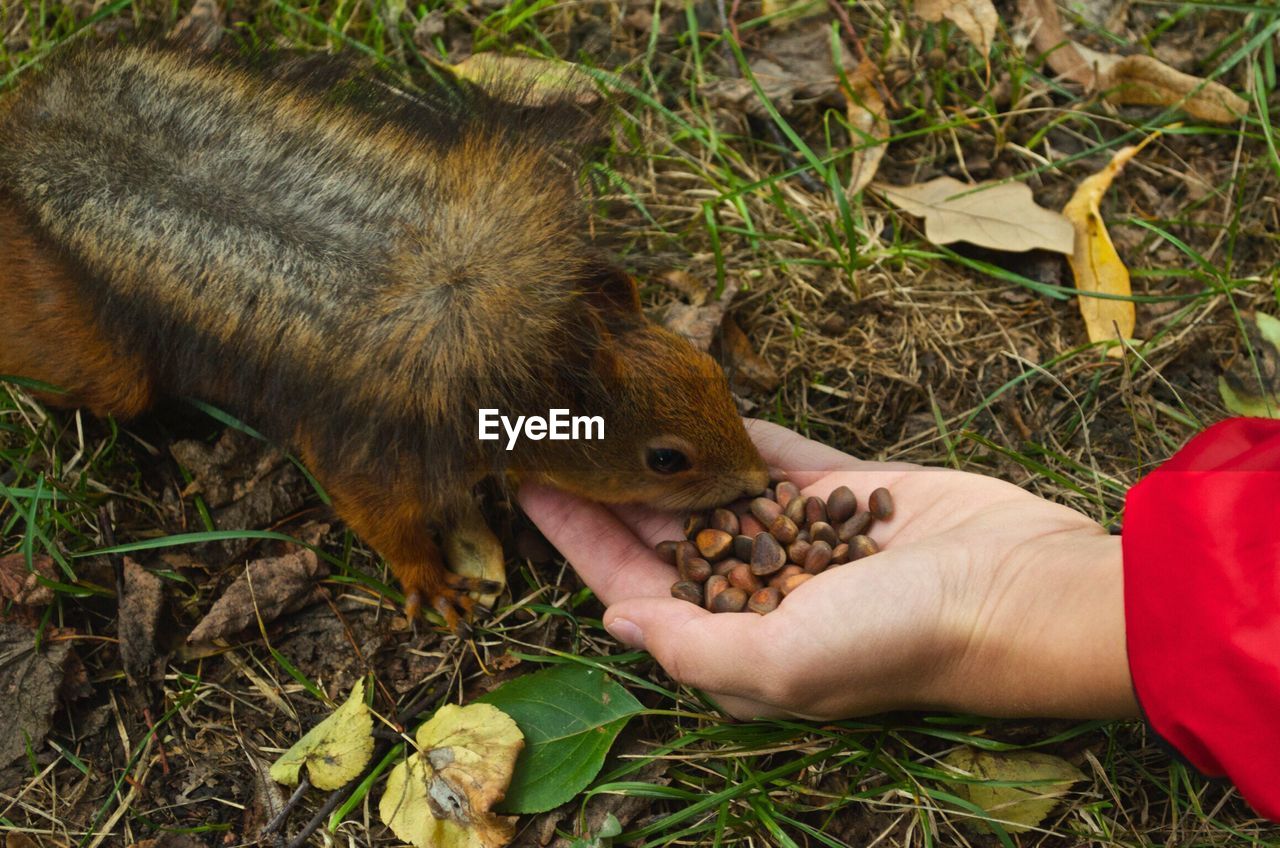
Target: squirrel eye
666, 460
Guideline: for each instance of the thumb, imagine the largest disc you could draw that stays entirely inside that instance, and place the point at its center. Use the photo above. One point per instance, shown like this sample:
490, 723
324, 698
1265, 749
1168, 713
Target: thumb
728, 652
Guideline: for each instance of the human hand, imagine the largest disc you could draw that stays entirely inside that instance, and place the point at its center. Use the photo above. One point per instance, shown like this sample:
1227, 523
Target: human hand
985, 598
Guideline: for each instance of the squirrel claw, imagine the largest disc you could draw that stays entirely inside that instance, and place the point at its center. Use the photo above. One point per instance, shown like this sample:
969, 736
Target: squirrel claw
455, 607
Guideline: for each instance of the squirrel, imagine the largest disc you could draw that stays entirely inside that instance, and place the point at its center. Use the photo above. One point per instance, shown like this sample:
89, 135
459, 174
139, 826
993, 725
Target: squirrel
356, 272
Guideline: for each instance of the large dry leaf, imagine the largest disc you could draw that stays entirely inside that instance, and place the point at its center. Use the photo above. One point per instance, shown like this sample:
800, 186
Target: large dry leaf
31, 679
1095, 263
976, 18
1145, 81
791, 66
539, 81
1043, 780
1001, 216
869, 123
23, 587
140, 610
1134, 80
443, 795
747, 370
698, 321
335, 751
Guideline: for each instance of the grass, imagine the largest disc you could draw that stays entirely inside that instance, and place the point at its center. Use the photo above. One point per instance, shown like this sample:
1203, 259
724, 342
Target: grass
887, 346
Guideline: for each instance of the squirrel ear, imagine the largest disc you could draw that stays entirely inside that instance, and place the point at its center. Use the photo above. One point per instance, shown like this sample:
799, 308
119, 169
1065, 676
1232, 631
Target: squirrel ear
613, 290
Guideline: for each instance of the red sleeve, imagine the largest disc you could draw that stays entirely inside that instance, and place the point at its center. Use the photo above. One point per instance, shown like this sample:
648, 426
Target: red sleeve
1202, 604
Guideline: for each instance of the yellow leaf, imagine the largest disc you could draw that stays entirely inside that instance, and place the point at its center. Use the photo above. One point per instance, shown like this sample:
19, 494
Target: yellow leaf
443, 795
868, 122
1018, 789
536, 80
1095, 264
1001, 216
334, 751
976, 18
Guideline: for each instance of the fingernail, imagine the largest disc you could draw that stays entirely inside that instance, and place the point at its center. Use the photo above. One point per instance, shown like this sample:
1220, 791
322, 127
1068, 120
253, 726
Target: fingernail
625, 632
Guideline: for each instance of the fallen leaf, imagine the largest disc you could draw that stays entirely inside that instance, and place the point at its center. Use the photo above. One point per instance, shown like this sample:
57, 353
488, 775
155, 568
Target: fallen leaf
1133, 80
335, 751
793, 65
268, 588
23, 587
1001, 216
539, 81
868, 122
139, 615
473, 551
31, 678
569, 716
699, 323
1145, 81
1095, 264
443, 795
783, 13
743, 365
975, 18
1251, 387
1018, 789
200, 29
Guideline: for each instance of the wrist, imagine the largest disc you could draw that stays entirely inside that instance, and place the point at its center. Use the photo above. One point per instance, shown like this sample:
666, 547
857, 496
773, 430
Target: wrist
1048, 637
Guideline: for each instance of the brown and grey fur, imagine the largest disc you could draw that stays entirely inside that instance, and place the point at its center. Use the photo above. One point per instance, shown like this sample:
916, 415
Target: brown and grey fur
350, 269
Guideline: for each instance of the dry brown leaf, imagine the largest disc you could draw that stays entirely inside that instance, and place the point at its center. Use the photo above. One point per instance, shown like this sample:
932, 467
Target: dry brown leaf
538, 80
746, 368
699, 323
1048, 36
1001, 216
975, 18
200, 29
792, 65
31, 679
23, 587
268, 588
139, 616
783, 13
1145, 81
869, 123
1095, 263
473, 551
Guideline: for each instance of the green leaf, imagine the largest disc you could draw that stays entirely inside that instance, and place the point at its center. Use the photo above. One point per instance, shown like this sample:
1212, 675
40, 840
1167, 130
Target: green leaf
570, 715
1018, 789
1251, 387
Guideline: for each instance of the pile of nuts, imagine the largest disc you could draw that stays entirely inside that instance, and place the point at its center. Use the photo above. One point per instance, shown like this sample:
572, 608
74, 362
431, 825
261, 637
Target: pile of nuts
751, 554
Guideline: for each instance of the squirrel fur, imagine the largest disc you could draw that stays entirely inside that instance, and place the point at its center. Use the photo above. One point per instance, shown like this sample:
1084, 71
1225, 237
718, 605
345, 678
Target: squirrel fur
353, 270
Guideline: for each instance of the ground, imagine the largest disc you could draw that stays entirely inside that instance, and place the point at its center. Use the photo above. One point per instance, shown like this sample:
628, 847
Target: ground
880, 343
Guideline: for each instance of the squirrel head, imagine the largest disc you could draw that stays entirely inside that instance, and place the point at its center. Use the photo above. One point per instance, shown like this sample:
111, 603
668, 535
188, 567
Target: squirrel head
673, 438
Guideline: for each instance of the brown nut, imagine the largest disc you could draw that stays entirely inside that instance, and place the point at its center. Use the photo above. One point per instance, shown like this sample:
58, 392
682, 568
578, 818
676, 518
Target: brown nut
685, 551
862, 546
778, 579
785, 492
840, 504
724, 520
715, 545
742, 577
765, 510
715, 584
796, 553
731, 599
724, 566
818, 558
749, 526
881, 504
767, 556
696, 522
840, 554
789, 585
742, 547
815, 510
765, 600
687, 590
855, 526
795, 509
666, 551
694, 569
784, 529
821, 531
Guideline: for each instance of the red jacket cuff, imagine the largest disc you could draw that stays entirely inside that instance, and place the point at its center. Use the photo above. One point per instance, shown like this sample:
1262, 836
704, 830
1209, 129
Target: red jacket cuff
1202, 604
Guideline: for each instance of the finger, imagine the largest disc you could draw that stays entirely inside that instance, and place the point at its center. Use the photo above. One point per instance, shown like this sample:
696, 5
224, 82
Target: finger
723, 653
602, 549
650, 525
